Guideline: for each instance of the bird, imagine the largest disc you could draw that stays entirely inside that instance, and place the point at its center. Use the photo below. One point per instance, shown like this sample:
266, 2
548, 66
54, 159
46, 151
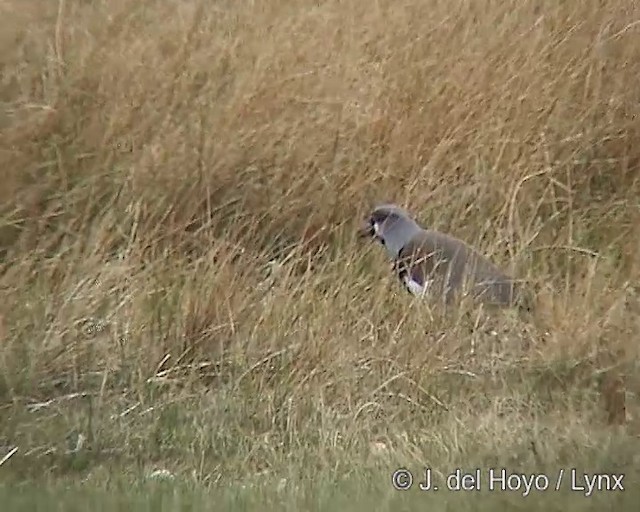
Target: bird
433, 264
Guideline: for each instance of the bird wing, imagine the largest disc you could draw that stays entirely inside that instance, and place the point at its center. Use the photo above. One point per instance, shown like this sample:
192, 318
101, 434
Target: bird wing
432, 257
486, 281
423, 261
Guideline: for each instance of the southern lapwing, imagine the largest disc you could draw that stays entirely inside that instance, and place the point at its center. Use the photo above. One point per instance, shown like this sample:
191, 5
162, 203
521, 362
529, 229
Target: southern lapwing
437, 265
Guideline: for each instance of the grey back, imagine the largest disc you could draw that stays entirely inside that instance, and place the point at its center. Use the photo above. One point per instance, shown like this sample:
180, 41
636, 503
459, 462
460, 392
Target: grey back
450, 265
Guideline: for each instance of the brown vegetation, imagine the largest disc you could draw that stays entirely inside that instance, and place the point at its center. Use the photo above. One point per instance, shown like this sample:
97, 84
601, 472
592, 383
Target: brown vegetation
180, 281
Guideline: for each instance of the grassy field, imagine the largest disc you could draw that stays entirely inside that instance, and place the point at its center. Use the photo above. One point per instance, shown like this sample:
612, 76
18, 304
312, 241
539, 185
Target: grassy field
187, 320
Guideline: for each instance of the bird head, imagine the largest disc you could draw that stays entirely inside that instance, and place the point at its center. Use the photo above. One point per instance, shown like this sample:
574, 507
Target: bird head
391, 225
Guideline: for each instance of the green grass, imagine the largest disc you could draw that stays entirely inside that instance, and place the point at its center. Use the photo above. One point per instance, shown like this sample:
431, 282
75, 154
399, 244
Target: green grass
213, 465
365, 489
181, 289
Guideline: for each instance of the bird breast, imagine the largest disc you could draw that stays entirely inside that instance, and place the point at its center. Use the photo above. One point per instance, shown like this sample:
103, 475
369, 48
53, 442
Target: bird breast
415, 287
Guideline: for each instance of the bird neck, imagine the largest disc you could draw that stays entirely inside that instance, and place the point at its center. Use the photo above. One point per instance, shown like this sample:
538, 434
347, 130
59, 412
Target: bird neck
399, 234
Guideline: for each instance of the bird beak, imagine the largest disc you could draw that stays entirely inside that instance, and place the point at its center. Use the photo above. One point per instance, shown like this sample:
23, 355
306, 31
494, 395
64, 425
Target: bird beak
365, 230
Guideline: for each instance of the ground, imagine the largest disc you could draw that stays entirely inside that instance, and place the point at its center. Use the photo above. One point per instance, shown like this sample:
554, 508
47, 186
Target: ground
187, 317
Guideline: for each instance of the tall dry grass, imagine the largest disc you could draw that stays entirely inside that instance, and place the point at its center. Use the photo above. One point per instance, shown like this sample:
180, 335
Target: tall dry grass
180, 284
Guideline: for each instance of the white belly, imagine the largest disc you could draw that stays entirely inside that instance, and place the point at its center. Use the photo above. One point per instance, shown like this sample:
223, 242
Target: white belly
416, 288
